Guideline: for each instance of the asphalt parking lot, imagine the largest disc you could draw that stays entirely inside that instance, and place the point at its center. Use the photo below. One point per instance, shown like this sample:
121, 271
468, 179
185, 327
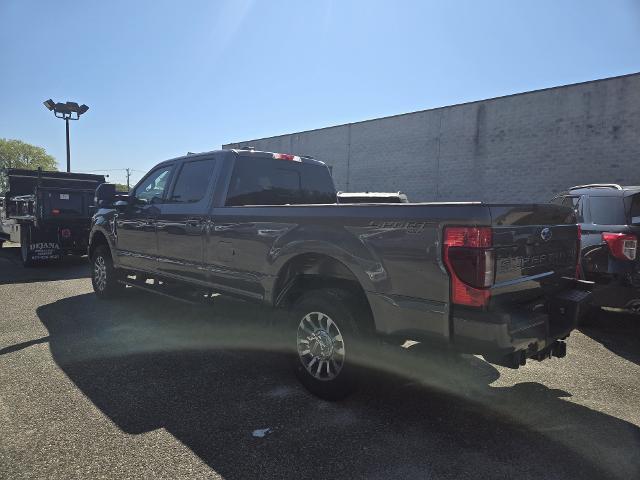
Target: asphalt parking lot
146, 387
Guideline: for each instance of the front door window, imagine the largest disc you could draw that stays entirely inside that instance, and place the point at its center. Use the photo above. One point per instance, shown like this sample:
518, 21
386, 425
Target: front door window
151, 190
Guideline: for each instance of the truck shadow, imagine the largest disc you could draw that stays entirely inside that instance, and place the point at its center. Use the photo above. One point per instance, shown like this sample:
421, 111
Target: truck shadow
210, 377
617, 331
12, 270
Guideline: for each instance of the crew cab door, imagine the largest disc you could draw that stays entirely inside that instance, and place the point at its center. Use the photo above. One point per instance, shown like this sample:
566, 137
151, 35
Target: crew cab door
182, 219
136, 244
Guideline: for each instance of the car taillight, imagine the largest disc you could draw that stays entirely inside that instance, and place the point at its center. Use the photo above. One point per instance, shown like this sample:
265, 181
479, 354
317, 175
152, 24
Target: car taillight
287, 156
621, 245
55, 211
470, 261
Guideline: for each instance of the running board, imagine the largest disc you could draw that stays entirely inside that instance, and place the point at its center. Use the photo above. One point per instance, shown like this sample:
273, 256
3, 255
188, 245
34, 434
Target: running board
157, 289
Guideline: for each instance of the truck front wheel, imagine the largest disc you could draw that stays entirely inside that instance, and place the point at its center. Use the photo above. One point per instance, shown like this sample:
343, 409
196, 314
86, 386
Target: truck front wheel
328, 342
104, 276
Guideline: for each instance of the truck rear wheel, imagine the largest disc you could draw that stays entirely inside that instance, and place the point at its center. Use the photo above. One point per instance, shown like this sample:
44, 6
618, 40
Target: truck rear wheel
104, 277
25, 253
327, 341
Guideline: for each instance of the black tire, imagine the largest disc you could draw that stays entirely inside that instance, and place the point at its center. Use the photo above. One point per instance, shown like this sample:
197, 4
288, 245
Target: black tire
104, 276
25, 254
336, 374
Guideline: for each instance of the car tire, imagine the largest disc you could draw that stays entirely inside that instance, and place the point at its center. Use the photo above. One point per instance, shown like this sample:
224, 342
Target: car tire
25, 254
104, 276
328, 342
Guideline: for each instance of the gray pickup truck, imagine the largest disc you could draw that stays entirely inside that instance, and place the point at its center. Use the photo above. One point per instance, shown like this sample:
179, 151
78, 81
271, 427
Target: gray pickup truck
495, 280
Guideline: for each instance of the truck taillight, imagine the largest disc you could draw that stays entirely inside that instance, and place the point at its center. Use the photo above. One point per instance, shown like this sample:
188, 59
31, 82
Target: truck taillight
470, 261
622, 245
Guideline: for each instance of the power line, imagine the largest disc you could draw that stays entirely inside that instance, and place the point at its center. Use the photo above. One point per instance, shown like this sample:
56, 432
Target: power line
113, 170
103, 170
126, 170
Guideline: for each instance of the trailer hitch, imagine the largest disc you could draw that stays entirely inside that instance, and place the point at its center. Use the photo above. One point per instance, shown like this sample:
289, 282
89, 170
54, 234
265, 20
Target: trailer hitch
557, 349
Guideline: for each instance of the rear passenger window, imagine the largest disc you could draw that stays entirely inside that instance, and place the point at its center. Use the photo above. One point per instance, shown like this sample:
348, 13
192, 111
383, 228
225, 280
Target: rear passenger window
635, 209
265, 181
607, 210
192, 182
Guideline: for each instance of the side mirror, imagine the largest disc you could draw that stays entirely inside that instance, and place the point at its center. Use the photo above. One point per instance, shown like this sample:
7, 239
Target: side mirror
104, 195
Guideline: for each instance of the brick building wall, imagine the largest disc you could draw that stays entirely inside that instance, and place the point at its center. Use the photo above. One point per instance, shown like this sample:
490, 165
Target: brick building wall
518, 148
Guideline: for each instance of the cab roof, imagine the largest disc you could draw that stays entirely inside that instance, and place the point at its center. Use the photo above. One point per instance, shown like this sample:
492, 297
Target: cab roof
250, 152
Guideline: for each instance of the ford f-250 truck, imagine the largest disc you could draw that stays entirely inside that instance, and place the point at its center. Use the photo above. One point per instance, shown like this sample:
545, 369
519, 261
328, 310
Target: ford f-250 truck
496, 280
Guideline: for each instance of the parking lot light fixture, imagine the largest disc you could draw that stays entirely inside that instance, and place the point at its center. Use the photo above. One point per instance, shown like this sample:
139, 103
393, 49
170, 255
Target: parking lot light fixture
66, 111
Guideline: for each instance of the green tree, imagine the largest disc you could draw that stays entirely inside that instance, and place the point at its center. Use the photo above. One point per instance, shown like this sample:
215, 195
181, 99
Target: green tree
121, 187
18, 154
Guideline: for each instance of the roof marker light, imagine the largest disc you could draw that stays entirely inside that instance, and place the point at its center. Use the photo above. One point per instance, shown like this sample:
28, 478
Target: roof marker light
287, 156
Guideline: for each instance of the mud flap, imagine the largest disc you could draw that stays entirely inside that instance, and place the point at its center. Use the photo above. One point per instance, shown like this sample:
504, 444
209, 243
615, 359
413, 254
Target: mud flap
41, 244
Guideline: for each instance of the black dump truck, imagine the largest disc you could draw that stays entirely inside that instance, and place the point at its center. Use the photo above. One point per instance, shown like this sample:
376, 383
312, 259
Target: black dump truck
496, 280
47, 213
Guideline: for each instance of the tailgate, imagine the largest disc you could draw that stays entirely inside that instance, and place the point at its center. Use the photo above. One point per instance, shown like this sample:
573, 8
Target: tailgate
64, 204
534, 246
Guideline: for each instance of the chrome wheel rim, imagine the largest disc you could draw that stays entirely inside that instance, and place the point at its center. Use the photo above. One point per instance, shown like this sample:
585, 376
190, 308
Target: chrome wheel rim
320, 345
100, 273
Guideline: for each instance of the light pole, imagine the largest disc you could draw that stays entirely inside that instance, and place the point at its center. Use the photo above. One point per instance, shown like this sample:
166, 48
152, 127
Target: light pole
65, 111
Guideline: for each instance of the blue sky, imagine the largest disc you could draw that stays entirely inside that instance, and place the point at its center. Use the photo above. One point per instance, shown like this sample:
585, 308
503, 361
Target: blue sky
163, 78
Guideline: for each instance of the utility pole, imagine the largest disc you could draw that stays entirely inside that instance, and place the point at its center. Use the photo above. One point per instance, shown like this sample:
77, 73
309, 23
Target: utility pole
128, 175
68, 147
